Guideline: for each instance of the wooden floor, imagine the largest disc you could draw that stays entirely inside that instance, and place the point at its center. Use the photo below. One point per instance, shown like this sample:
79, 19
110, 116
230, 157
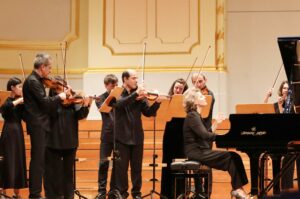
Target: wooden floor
88, 154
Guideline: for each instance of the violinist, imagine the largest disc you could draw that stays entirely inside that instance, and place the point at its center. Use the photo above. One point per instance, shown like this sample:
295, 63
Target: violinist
61, 146
199, 81
173, 145
106, 145
12, 140
279, 106
37, 109
129, 132
282, 96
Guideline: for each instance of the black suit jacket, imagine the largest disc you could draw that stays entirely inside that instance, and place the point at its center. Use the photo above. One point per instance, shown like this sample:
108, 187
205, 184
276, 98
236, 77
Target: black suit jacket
128, 112
107, 121
37, 104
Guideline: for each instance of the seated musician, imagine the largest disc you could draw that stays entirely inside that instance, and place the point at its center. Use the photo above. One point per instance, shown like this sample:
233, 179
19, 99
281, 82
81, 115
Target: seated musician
282, 95
197, 141
172, 144
287, 177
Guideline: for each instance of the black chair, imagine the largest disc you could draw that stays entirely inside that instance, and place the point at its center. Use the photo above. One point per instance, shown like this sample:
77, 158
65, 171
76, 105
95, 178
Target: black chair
188, 170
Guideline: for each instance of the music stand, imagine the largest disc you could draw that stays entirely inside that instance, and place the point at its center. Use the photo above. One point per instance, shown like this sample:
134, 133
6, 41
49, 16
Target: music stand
106, 107
176, 107
254, 108
162, 116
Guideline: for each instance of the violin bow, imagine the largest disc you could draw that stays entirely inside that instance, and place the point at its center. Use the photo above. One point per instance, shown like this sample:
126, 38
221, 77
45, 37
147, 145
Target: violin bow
202, 64
64, 57
22, 66
143, 62
277, 76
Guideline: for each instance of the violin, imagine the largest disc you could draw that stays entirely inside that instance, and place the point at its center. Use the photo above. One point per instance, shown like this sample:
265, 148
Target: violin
57, 85
204, 91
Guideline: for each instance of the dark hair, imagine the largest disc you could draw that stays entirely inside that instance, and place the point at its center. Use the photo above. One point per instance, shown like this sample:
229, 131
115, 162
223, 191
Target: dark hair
126, 75
41, 59
12, 82
180, 81
110, 78
281, 87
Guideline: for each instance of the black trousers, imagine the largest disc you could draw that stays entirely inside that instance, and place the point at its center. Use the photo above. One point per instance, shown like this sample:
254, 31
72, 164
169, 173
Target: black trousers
59, 173
37, 161
106, 149
223, 160
288, 177
133, 155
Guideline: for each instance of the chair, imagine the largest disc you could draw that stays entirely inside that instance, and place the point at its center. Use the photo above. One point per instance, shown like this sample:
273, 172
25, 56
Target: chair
188, 170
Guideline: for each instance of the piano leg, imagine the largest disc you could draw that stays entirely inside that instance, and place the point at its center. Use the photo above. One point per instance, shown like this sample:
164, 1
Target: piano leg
254, 171
276, 160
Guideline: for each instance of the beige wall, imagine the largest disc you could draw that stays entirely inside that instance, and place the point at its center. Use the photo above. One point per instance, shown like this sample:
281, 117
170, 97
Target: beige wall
253, 55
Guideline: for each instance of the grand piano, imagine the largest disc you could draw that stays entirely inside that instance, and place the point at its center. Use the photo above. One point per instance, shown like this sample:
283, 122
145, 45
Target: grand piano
257, 134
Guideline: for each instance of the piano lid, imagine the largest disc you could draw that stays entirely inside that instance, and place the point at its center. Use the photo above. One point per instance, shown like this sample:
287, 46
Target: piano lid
290, 53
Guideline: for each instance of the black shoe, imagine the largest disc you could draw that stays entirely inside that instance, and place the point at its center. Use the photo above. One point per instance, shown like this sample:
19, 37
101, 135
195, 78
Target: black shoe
101, 195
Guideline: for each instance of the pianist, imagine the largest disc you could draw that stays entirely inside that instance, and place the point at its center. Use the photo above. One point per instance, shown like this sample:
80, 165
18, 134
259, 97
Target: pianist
197, 141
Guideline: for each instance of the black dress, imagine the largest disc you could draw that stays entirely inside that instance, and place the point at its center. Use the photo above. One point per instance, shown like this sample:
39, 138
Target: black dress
13, 147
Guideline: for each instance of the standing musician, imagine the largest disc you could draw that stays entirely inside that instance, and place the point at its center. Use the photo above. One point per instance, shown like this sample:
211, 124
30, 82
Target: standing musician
129, 132
61, 146
173, 145
288, 176
12, 140
106, 145
198, 140
199, 80
37, 109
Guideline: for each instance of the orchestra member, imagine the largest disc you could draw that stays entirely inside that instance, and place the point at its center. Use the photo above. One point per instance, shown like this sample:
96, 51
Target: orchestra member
12, 140
36, 115
282, 96
129, 132
173, 145
198, 141
106, 145
199, 81
61, 146
288, 176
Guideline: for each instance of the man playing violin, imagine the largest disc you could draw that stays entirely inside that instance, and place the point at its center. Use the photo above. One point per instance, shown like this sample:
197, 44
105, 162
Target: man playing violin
129, 132
37, 108
199, 81
61, 145
106, 146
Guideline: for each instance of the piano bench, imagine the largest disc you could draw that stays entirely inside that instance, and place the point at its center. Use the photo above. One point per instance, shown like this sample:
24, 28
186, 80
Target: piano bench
189, 170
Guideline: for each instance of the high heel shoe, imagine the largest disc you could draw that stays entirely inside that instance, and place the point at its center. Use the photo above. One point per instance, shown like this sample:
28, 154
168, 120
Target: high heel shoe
239, 194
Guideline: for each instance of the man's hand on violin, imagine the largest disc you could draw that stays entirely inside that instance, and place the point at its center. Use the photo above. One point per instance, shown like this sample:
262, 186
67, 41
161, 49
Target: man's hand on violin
86, 101
142, 93
62, 96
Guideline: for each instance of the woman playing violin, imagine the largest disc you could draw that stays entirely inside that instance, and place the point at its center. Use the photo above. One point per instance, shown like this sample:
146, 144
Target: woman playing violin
12, 140
61, 146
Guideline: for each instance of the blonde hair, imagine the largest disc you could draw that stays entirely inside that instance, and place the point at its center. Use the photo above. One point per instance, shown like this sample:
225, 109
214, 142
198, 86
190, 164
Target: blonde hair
190, 96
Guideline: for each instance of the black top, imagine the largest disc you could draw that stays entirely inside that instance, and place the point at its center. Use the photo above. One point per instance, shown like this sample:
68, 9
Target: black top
12, 147
37, 104
195, 133
64, 126
107, 120
128, 112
